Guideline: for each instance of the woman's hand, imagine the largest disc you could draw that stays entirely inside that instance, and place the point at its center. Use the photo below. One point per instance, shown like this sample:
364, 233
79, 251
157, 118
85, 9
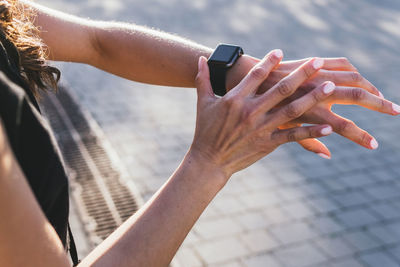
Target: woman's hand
353, 89
240, 128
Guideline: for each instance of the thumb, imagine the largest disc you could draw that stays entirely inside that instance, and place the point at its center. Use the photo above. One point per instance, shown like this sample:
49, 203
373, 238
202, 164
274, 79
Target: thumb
202, 81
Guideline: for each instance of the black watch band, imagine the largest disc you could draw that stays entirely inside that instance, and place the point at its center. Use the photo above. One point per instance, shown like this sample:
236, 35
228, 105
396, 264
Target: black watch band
218, 79
223, 58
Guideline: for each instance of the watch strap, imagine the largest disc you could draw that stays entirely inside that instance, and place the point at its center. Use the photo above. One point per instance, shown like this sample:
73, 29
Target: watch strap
217, 78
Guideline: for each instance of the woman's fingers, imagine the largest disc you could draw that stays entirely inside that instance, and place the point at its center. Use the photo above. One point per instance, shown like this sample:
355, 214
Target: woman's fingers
202, 81
349, 78
288, 85
358, 96
339, 64
350, 130
316, 146
301, 133
297, 108
258, 74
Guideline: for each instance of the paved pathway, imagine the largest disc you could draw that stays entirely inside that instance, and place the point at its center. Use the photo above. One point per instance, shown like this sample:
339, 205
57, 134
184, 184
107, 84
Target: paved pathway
292, 208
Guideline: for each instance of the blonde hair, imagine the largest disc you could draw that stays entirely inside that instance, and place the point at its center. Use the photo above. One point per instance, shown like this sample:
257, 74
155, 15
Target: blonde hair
18, 30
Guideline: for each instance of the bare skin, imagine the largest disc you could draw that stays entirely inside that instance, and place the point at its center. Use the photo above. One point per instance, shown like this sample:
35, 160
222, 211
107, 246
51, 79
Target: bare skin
150, 56
245, 132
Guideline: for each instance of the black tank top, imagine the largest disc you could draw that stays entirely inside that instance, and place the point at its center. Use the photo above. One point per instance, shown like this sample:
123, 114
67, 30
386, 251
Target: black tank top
33, 143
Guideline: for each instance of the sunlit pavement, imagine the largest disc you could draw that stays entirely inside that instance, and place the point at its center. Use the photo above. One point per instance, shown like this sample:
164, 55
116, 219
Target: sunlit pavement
292, 208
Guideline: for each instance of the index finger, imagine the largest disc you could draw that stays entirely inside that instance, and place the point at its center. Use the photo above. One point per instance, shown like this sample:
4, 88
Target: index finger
288, 85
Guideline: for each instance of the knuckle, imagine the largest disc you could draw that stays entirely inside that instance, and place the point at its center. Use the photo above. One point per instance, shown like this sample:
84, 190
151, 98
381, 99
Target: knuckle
365, 139
292, 111
307, 72
344, 126
233, 102
259, 73
291, 135
284, 88
358, 94
317, 96
356, 77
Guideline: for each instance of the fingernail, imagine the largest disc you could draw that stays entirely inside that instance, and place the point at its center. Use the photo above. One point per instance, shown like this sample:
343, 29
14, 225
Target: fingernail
374, 144
318, 63
329, 87
396, 108
381, 95
277, 53
326, 130
325, 156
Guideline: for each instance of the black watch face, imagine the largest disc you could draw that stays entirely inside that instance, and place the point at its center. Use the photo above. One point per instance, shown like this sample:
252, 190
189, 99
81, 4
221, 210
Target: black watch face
225, 54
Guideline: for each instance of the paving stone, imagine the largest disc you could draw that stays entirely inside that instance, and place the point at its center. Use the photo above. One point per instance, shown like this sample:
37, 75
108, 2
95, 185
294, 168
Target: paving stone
351, 198
380, 259
291, 193
261, 199
290, 177
385, 234
228, 264
262, 261
347, 263
221, 250
292, 232
217, 228
356, 217
383, 192
335, 247
300, 255
229, 205
386, 210
333, 185
186, 257
326, 225
323, 204
259, 241
361, 240
357, 179
382, 174
276, 215
395, 251
252, 220
312, 188
298, 210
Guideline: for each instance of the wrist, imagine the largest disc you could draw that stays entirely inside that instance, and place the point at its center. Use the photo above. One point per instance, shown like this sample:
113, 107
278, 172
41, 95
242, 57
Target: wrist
205, 169
242, 66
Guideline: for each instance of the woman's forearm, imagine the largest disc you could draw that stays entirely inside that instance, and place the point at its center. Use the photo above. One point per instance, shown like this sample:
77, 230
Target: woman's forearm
152, 236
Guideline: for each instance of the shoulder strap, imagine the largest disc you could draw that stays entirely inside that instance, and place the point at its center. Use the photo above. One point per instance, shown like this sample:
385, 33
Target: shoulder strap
72, 247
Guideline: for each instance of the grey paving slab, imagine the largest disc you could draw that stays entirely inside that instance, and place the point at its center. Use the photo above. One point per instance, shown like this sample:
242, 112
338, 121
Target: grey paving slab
379, 259
300, 255
295, 197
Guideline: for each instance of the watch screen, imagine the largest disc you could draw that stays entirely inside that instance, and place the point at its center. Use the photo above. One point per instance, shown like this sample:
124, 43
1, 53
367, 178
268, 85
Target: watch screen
224, 54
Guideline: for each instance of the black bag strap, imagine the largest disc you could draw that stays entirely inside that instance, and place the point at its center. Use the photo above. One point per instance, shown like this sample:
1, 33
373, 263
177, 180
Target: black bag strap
72, 247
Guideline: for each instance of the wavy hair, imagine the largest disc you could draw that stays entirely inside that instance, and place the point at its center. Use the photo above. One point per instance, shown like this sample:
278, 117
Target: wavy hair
28, 50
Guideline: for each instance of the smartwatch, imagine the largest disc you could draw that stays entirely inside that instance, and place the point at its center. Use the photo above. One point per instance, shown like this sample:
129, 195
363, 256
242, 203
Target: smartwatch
223, 57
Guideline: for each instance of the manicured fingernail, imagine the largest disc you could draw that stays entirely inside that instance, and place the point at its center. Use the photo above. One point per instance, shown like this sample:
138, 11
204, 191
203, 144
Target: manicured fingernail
381, 95
396, 108
277, 53
329, 87
326, 130
318, 63
374, 144
325, 156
